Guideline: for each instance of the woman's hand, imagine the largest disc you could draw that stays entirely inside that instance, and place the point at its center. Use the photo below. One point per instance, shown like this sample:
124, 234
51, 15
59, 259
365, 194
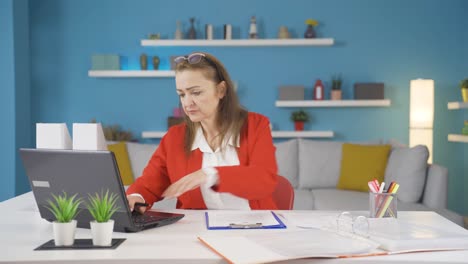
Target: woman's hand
132, 199
186, 183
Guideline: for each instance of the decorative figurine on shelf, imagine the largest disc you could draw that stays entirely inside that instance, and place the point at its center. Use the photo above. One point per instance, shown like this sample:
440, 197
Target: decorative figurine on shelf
178, 33
310, 31
299, 118
283, 33
156, 61
253, 28
464, 89
336, 88
143, 61
192, 34
318, 90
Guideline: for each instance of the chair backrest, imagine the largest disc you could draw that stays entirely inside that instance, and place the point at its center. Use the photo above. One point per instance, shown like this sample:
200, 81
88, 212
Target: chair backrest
284, 194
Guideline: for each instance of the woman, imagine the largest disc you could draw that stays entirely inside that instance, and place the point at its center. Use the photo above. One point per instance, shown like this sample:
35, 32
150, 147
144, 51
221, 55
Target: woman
221, 157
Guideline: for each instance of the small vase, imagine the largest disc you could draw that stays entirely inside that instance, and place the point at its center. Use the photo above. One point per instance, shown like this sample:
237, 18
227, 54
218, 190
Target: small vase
298, 126
464, 92
310, 32
156, 62
336, 94
102, 233
283, 33
192, 34
143, 61
178, 33
64, 233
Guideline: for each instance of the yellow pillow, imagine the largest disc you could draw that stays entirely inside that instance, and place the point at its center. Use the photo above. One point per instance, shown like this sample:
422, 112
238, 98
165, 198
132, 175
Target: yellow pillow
361, 164
123, 161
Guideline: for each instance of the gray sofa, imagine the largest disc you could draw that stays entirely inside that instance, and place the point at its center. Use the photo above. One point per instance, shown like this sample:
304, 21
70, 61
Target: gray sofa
313, 168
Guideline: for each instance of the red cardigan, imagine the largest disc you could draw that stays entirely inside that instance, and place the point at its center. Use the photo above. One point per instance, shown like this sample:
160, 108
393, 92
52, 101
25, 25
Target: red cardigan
254, 179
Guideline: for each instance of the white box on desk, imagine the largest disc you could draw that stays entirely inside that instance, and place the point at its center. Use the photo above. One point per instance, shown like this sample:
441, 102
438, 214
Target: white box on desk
52, 136
88, 136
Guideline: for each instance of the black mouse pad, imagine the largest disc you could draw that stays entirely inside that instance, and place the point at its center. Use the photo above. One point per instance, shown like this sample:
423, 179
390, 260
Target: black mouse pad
80, 244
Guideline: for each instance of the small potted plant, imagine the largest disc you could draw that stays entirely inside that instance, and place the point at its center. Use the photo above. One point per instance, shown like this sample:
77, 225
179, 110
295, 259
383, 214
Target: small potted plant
464, 89
336, 88
64, 209
299, 118
102, 207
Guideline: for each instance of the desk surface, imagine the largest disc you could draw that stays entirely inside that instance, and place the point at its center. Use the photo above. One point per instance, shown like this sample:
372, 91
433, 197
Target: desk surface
22, 229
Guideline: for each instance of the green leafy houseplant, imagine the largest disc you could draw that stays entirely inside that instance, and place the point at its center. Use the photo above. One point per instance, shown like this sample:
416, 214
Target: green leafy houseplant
102, 206
115, 133
299, 116
336, 82
63, 207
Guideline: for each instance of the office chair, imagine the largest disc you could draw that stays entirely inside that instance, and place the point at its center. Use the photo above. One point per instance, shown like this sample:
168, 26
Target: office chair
284, 194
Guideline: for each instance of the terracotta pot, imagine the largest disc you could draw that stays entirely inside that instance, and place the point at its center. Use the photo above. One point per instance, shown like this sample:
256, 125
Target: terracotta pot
299, 125
336, 94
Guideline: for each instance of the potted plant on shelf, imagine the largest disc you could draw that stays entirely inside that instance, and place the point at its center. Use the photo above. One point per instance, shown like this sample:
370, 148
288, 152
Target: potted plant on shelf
336, 87
102, 207
464, 89
64, 209
299, 117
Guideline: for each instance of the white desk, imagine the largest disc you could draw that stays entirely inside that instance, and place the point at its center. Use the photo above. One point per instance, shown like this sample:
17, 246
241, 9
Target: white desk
22, 229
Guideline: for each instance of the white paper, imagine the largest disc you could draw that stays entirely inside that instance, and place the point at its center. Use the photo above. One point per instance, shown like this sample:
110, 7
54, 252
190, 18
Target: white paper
261, 247
52, 136
226, 218
88, 136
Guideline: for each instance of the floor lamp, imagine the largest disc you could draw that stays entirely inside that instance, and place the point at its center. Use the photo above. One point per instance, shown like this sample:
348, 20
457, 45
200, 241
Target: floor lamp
421, 113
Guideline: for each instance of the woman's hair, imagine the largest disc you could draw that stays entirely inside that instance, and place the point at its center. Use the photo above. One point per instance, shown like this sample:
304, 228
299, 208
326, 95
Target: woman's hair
231, 115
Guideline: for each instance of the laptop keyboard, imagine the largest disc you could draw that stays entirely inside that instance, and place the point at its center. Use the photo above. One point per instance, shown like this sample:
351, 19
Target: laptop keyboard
145, 218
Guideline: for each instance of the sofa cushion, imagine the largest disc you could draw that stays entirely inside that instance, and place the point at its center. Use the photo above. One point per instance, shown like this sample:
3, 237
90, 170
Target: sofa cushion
361, 164
303, 200
319, 163
123, 162
286, 157
408, 167
139, 155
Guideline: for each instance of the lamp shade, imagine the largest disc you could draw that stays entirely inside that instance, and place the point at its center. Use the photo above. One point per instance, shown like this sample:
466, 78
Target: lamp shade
421, 103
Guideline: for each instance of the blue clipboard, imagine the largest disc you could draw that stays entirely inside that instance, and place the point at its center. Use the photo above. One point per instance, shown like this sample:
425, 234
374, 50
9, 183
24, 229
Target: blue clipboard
245, 226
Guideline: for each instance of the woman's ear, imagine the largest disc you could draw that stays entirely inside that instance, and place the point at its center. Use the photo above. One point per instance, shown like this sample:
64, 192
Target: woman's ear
221, 89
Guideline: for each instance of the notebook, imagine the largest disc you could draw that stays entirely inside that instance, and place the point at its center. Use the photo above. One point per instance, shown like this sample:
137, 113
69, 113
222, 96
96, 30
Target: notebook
83, 173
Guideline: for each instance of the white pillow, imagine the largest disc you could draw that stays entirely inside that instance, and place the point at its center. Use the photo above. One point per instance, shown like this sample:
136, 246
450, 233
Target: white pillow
286, 157
139, 155
408, 168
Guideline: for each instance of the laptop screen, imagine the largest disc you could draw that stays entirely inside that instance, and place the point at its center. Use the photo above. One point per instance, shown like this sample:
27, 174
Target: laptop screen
75, 172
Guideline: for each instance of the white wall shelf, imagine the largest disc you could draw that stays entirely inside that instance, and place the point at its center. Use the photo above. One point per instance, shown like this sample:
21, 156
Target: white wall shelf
275, 134
334, 103
457, 138
146, 73
153, 134
457, 105
239, 42
302, 134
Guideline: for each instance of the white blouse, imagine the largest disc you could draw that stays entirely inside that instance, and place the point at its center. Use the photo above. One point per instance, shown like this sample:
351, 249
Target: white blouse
212, 199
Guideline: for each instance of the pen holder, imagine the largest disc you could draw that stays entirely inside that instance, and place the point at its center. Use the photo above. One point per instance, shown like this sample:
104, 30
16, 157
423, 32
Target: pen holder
382, 205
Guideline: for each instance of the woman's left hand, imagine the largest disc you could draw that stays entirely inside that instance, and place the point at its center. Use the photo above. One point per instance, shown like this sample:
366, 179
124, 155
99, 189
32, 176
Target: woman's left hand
186, 183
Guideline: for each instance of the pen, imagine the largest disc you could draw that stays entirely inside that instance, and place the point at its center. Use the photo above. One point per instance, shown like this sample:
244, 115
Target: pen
140, 204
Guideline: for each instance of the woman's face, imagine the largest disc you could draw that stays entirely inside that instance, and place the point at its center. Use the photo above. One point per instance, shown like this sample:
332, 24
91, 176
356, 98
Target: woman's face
199, 96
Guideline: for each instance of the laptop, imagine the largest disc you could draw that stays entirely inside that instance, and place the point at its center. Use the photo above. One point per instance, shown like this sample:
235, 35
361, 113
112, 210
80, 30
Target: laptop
83, 173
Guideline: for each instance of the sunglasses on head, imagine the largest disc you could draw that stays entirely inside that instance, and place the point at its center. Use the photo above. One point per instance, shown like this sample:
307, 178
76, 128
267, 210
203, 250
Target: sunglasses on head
193, 58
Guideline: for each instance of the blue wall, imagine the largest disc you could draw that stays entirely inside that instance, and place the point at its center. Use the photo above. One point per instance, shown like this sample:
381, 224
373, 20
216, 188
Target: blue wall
392, 42
15, 105
7, 99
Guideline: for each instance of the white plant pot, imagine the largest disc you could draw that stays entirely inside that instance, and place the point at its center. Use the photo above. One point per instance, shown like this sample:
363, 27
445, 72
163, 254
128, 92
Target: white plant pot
64, 233
102, 233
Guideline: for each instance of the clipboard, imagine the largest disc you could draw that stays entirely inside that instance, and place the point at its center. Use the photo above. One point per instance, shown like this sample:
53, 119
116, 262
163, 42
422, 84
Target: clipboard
236, 224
